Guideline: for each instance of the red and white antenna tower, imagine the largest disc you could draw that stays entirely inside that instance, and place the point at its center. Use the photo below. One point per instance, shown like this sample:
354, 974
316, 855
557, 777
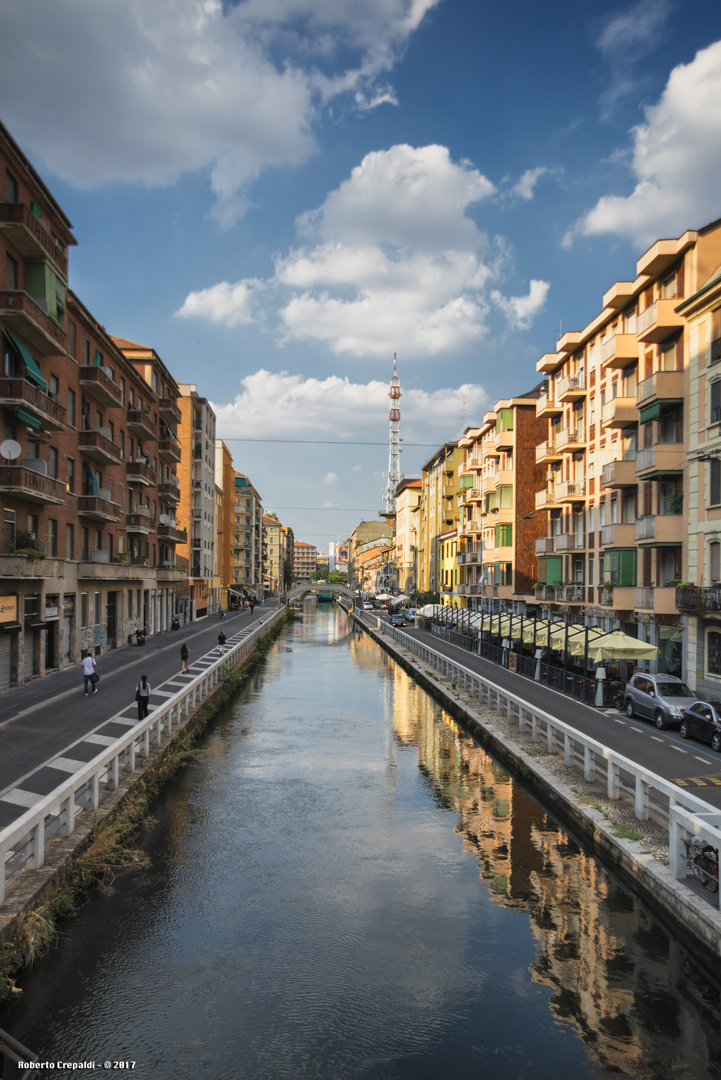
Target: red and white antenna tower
394, 474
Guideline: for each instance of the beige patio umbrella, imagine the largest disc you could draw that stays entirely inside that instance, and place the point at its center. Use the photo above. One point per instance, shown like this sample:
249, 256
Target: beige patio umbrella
577, 640
619, 646
542, 631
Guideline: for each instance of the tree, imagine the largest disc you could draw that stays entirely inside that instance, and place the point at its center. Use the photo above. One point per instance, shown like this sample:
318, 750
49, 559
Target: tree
288, 575
338, 577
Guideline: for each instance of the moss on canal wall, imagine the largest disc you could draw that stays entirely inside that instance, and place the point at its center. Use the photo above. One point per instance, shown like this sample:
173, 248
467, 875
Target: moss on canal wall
108, 846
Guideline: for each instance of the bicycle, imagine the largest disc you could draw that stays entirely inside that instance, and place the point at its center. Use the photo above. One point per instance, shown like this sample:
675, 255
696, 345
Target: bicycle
703, 861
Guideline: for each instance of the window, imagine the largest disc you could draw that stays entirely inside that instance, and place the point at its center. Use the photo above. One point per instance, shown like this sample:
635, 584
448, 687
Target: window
9, 528
155, 381
72, 339
713, 648
11, 189
97, 609
590, 570
52, 538
33, 524
714, 483
122, 391
716, 401
85, 549
86, 352
71, 407
69, 541
52, 462
714, 558
84, 606
11, 273
70, 472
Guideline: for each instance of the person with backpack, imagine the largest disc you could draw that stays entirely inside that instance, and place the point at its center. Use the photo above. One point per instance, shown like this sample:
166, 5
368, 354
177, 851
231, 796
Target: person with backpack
184, 654
142, 696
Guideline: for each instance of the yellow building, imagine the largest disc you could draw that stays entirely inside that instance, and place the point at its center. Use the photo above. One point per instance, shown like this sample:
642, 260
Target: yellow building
405, 555
225, 519
438, 511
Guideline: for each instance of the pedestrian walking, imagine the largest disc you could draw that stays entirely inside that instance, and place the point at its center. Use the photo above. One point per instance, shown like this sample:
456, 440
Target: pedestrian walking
252, 605
184, 654
142, 696
221, 641
89, 675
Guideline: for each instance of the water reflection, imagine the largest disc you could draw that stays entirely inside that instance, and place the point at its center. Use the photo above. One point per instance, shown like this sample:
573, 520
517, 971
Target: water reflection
310, 912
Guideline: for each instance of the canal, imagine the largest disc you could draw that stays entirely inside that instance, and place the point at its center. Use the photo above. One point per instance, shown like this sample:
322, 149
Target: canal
344, 885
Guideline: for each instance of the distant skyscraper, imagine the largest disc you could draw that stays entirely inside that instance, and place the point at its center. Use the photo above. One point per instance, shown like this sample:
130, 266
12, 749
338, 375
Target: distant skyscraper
394, 474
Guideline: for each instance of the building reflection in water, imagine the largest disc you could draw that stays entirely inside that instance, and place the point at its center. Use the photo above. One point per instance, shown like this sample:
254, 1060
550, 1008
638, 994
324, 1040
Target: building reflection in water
634, 997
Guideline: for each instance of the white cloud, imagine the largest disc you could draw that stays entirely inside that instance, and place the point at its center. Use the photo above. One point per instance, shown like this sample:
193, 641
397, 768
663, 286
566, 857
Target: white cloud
624, 42
525, 187
287, 406
390, 259
521, 310
157, 89
357, 468
676, 160
330, 478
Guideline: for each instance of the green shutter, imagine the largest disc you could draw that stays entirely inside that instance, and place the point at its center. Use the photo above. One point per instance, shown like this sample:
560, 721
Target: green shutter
505, 496
466, 482
554, 569
33, 371
627, 563
504, 420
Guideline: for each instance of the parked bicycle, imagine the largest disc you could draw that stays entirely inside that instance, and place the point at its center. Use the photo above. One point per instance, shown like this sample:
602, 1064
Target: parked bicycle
703, 862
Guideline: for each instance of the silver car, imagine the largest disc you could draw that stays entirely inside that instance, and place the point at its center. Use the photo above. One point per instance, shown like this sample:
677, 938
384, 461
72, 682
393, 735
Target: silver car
661, 698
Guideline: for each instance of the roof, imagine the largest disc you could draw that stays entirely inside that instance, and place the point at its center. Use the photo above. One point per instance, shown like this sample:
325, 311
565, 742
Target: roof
126, 343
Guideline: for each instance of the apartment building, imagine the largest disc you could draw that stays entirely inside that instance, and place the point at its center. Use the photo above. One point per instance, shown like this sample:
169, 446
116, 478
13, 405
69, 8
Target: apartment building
498, 527
225, 517
196, 510
248, 539
364, 532
279, 553
698, 597
82, 562
305, 559
408, 497
618, 410
438, 511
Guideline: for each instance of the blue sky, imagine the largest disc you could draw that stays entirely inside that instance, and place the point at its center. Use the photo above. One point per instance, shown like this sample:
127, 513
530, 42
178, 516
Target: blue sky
279, 194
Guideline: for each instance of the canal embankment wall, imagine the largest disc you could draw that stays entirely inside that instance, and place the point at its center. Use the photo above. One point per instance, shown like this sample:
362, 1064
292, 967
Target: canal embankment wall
692, 918
46, 851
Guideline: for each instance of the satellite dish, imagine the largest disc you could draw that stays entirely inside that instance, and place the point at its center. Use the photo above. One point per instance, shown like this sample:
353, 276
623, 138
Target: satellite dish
163, 519
10, 449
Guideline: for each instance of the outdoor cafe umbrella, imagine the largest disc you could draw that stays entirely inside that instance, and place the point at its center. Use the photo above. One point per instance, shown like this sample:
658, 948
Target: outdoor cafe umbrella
620, 646
577, 638
399, 599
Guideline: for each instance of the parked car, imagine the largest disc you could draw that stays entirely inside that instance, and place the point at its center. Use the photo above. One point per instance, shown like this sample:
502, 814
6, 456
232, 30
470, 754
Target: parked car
661, 698
702, 720
398, 619
367, 606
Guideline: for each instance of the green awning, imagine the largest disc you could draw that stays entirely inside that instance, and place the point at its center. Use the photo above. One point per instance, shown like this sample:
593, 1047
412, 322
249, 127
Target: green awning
169, 429
33, 370
651, 412
28, 418
98, 358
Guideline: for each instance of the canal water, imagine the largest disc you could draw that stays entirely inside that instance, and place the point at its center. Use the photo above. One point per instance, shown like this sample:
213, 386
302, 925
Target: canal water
343, 886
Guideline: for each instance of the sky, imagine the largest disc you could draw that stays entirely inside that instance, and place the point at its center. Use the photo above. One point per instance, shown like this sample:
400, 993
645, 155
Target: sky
278, 195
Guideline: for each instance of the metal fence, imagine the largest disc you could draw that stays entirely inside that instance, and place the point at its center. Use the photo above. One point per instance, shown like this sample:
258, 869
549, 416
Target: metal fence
24, 842
653, 797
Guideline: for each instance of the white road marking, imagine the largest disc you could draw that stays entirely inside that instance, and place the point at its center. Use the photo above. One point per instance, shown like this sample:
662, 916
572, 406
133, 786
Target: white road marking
704, 759
678, 748
22, 798
66, 764
617, 721
658, 738
101, 740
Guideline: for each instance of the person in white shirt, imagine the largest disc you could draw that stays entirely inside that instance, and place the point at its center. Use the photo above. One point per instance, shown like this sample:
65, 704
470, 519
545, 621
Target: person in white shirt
88, 666
142, 696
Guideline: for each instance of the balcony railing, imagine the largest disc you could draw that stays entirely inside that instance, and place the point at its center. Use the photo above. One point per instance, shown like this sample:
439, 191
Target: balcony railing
547, 497
570, 386
547, 404
168, 450
570, 490
545, 545
470, 557
21, 482
139, 472
570, 594
620, 473
169, 410
570, 437
698, 598
98, 382
646, 527
140, 423
658, 321
20, 309
97, 508
569, 542
30, 236
546, 451
19, 393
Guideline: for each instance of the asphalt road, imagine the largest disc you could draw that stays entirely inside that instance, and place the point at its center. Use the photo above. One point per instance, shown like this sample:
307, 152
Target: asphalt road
48, 727
690, 764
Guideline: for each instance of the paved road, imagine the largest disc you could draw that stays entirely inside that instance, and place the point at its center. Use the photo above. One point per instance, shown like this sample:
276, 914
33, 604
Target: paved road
691, 765
48, 728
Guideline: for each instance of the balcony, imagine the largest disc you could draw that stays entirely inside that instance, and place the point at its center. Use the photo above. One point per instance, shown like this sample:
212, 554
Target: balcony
170, 534
658, 529
570, 491
571, 439
22, 394
138, 472
546, 452
98, 508
470, 558
571, 388
549, 363
661, 386
469, 495
696, 598
140, 521
568, 343
545, 545
662, 601
169, 410
22, 482
29, 235
504, 439
139, 422
98, 382
619, 295
619, 413
474, 461
619, 351
663, 459
546, 499
171, 573
448, 491
620, 473
570, 594
98, 446
26, 315
546, 405
169, 451
621, 597
658, 321
570, 542
620, 534
169, 491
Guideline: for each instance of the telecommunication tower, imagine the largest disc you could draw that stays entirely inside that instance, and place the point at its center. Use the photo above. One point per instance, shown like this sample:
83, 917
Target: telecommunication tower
394, 474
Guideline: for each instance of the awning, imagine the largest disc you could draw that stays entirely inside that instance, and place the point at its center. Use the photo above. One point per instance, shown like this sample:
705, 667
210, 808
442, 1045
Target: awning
651, 412
11, 627
169, 429
35, 624
23, 414
33, 370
